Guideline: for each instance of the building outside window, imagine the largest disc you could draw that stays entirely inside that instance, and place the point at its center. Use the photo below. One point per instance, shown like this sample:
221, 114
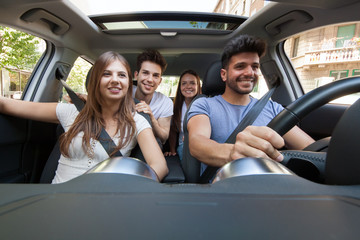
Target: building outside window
338, 74
356, 72
344, 34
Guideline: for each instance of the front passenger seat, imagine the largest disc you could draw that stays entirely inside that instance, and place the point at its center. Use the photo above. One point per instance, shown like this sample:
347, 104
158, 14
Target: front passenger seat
212, 85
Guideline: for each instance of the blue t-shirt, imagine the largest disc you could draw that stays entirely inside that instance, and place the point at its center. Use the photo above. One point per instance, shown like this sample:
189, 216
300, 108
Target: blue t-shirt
225, 117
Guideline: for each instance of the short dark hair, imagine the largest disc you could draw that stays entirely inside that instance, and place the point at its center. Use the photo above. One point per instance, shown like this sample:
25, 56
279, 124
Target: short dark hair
153, 56
243, 43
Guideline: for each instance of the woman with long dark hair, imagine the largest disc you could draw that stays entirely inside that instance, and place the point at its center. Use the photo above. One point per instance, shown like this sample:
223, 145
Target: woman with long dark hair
188, 88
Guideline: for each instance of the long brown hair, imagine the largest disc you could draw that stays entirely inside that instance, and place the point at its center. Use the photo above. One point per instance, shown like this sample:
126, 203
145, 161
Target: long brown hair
90, 120
178, 102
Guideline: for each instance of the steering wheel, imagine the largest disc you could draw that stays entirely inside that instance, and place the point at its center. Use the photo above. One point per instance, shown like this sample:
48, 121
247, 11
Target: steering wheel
293, 113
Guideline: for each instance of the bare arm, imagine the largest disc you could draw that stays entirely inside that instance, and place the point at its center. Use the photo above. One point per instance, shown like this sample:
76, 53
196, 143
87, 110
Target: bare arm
252, 142
161, 126
202, 147
172, 143
45, 112
297, 139
152, 153
83, 97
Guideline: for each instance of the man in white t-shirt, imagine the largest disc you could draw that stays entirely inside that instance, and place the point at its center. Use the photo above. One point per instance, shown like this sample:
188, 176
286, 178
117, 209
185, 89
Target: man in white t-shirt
150, 66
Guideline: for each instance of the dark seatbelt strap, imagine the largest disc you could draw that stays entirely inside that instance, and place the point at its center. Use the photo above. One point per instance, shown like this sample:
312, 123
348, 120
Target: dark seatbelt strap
79, 104
108, 143
250, 117
104, 137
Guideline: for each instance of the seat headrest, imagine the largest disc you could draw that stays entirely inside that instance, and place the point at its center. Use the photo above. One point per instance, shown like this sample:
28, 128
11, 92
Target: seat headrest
212, 82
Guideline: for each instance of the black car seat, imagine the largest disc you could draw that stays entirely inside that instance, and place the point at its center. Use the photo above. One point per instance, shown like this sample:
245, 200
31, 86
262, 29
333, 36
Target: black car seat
51, 164
212, 85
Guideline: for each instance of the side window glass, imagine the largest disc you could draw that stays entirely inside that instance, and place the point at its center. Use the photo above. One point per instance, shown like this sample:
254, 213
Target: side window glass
19, 54
261, 87
324, 55
77, 77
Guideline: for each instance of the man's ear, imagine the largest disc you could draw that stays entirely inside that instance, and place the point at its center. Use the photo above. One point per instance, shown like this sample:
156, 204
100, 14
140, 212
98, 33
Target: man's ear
136, 73
223, 74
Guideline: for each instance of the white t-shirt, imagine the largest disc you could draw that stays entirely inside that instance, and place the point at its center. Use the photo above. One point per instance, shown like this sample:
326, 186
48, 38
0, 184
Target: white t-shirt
160, 105
79, 161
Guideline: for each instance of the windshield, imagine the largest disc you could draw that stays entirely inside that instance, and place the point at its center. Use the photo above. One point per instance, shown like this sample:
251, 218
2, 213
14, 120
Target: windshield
95, 7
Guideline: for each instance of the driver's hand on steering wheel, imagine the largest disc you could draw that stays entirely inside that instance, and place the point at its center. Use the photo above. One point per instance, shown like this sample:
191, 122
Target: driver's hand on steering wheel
259, 142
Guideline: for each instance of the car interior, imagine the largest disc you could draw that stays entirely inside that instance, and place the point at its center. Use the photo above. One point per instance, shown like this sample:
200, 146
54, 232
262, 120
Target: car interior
315, 192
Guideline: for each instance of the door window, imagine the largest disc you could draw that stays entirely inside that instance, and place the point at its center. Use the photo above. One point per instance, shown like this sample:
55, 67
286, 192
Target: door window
324, 55
77, 76
19, 54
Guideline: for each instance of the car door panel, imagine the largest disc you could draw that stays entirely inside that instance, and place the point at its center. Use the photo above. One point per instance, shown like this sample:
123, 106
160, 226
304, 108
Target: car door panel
24, 148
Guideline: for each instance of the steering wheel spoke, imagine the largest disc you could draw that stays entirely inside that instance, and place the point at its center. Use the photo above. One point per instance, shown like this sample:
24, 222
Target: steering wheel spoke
318, 159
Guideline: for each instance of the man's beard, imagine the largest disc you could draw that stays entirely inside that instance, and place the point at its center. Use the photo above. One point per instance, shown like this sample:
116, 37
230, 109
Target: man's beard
232, 84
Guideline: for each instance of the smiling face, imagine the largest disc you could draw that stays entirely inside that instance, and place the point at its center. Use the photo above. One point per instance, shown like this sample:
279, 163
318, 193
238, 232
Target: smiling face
114, 82
148, 78
188, 86
242, 72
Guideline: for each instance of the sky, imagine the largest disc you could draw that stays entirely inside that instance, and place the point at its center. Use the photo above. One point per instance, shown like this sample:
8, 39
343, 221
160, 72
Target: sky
93, 7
